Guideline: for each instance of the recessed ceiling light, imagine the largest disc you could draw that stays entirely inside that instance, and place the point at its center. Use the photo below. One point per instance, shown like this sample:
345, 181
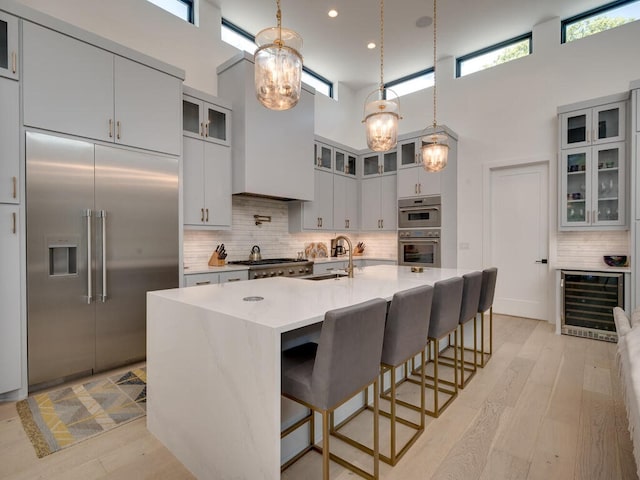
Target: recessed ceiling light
423, 22
333, 13
371, 45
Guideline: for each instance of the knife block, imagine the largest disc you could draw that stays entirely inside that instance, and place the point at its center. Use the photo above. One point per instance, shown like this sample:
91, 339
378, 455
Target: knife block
215, 261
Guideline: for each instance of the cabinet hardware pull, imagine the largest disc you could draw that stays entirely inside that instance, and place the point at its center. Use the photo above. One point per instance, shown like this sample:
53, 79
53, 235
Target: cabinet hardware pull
203, 283
382, 223
206, 130
207, 210
103, 215
88, 214
14, 223
321, 222
14, 62
118, 129
419, 188
587, 216
202, 214
233, 280
201, 129
110, 128
14, 180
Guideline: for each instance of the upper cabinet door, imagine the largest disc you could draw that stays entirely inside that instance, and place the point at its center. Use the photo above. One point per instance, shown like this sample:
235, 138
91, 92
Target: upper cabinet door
147, 107
205, 121
9, 141
609, 123
576, 128
8, 46
68, 84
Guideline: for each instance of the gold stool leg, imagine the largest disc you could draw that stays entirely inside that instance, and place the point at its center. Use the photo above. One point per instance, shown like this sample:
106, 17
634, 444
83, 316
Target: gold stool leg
435, 377
325, 446
393, 416
462, 354
376, 430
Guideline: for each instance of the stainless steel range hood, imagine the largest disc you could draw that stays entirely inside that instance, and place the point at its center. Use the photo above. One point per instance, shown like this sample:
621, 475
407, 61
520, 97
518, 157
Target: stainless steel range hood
272, 151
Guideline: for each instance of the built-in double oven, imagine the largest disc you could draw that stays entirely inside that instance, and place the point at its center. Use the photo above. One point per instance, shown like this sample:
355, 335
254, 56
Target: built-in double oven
419, 222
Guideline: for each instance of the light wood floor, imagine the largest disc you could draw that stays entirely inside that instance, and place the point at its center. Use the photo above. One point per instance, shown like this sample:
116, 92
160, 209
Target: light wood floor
544, 407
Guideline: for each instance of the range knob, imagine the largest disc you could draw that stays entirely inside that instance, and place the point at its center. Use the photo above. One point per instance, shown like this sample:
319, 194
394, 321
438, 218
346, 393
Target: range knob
291, 271
306, 270
280, 272
301, 270
272, 274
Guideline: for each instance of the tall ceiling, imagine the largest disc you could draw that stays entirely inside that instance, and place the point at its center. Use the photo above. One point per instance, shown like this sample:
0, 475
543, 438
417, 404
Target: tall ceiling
336, 48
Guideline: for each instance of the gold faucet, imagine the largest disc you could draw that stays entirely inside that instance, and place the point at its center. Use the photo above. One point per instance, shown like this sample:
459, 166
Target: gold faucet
349, 268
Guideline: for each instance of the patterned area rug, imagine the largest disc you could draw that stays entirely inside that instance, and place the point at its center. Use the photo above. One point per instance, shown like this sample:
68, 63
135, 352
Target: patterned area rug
64, 417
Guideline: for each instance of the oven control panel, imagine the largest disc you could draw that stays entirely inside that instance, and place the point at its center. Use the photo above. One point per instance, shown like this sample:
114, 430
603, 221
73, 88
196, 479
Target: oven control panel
422, 233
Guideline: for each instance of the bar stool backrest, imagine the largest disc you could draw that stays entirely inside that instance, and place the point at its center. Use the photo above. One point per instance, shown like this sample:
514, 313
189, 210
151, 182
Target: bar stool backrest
489, 276
407, 326
445, 310
470, 295
349, 352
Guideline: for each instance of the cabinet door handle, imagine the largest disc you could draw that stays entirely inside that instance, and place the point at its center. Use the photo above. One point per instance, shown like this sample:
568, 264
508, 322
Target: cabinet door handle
110, 128
206, 130
14, 223
233, 279
382, 223
14, 62
203, 283
118, 129
588, 216
419, 188
321, 222
207, 210
14, 181
202, 214
201, 129
588, 134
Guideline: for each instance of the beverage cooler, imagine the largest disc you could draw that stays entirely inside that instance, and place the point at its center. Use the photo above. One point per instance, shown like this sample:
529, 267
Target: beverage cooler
588, 299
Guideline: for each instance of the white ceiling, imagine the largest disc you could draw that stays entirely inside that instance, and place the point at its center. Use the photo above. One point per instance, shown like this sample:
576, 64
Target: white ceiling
336, 48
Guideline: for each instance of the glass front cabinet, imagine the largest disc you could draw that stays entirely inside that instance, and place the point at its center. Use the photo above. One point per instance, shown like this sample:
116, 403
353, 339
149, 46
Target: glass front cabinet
8, 46
593, 126
204, 120
592, 190
379, 163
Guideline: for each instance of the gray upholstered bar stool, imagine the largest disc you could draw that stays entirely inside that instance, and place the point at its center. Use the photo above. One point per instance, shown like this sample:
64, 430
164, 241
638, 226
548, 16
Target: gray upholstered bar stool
468, 311
324, 375
405, 336
489, 277
445, 317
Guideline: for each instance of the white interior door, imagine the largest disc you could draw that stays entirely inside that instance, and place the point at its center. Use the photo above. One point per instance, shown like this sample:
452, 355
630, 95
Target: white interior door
518, 239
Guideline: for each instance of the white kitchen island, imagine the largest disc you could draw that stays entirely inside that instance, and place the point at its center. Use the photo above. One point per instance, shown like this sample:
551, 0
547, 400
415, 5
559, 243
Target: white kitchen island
213, 361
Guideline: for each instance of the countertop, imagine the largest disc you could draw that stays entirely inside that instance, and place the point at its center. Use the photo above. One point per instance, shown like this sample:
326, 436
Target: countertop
290, 303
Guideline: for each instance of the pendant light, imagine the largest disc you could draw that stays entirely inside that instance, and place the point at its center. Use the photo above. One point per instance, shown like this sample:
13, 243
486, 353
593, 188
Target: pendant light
435, 147
381, 114
278, 66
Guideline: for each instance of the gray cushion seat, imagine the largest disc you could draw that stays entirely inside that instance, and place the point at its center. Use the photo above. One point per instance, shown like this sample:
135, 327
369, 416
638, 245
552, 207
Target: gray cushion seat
345, 361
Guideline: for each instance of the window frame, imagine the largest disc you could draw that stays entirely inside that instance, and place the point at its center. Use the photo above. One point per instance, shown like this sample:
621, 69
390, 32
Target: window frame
240, 31
190, 4
497, 46
407, 78
567, 22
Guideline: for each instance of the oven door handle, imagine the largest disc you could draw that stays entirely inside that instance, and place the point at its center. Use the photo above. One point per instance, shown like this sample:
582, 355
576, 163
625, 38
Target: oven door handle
413, 209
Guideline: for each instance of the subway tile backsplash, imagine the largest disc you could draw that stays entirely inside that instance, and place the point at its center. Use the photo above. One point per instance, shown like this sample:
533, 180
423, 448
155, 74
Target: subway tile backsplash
585, 249
273, 237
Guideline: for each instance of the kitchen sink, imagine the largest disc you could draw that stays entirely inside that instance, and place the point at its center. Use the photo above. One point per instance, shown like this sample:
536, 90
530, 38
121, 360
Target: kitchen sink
325, 276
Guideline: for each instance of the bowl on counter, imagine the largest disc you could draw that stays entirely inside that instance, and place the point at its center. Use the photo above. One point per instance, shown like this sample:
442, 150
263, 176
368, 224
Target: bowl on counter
616, 260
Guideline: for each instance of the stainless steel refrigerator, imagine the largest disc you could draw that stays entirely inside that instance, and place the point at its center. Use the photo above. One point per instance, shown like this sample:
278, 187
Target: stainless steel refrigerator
102, 230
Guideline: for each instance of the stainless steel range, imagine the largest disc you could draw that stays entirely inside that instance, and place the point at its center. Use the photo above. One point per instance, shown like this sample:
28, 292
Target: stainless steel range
276, 267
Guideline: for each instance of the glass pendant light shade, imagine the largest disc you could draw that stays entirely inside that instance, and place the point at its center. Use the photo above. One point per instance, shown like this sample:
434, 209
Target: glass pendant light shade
381, 123
278, 68
435, 152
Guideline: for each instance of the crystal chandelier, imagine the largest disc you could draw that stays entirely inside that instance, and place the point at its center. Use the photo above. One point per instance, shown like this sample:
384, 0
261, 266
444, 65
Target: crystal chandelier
381, 114
435, 147
278, 66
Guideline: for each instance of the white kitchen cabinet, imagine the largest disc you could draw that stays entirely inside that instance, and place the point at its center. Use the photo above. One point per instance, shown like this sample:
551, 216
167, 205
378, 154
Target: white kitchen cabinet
417, 182
10, 321
409, 152
318, 213
323, 156
205, 117
9, 141
235, 276
379, 208
197, 279
345, 203
379, 163
592, 187
345, 162
271, 150
593, 126
9, 46
98, 94
206, 173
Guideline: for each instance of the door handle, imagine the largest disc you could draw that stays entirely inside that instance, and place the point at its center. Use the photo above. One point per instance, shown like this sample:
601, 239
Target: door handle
206, 130
118, 129
203, 283
88, 214
201, 129
14, 225
207, 216
14, 181
543, 260
103, 216
14, 62
202, 214
110, 128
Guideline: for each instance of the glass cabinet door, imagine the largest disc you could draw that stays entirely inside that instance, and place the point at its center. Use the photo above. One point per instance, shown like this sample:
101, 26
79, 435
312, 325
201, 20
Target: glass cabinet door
8, 46
217, 123
340, 161
408, 154
323, 156
576, 187
608, 186
390, 162
609, 123
576, 128
191, 118
370, 164
351, 165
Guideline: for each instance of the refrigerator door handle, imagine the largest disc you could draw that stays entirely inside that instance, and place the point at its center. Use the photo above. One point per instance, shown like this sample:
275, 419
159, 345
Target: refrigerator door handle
88, 213
103, 216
